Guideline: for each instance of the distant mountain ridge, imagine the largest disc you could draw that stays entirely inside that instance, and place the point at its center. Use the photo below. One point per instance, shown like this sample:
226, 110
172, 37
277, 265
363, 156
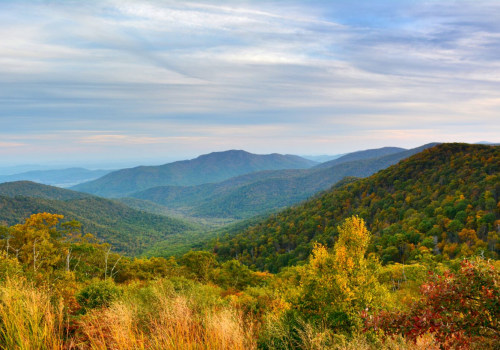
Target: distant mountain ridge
209, 168
257, 193
360, 155
128, 230
57, 177
322, 158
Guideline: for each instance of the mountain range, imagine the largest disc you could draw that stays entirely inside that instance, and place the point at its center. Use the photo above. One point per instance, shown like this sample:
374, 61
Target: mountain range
213, 167
431, 180
131, 230
257, 193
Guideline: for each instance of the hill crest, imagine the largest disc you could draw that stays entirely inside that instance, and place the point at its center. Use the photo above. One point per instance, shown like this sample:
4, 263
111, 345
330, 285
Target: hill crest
208, 168
444, 199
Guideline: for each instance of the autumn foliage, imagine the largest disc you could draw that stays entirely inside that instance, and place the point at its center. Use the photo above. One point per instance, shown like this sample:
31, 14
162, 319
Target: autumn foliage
335, 285
460, 308
60, 289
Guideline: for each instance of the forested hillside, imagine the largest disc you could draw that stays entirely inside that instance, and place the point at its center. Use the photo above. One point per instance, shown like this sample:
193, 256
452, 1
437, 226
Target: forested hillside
257, 193
213, 167
444, 200
128, 230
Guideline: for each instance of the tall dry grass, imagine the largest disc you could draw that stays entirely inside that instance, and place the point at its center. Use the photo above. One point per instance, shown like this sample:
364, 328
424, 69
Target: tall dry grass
158, 319
28, 319
176, 323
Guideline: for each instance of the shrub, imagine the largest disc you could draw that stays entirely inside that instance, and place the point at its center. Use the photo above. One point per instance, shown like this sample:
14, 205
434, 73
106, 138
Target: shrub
460, 308
98, 294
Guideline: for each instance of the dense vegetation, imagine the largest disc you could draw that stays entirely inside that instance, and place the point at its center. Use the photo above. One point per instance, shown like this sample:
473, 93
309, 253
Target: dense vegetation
213, 167
130, 231
60, 289
263, 192
444, 200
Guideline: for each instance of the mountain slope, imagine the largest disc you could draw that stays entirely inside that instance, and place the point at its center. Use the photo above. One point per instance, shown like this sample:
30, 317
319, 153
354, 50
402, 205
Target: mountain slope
443, 200
60, 177
261, 192
213, 167
128, 230
361, 155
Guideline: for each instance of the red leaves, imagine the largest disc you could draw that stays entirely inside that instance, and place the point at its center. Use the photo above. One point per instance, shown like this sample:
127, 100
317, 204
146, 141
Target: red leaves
458, 308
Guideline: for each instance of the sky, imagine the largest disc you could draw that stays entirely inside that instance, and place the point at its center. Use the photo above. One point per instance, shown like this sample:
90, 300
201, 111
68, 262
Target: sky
109, 81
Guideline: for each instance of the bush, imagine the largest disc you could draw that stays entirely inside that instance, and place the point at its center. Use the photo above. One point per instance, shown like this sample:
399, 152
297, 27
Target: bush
9, 267
459, 308
100, 293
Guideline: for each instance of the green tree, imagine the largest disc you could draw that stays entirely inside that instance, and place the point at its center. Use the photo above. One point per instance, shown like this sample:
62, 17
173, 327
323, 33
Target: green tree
199, 264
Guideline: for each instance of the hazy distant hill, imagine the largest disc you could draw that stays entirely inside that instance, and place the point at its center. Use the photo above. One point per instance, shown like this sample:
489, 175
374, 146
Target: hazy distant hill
322, 158
36, 190
59, 177
260, 192
213, 167
443, 200
128, 230
359, 155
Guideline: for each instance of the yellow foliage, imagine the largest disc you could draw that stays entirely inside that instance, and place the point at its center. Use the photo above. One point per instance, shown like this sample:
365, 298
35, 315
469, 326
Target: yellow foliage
34, 241
341, 282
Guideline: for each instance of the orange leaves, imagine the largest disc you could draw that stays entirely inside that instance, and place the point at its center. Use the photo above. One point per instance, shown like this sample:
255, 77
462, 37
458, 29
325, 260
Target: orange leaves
468, 236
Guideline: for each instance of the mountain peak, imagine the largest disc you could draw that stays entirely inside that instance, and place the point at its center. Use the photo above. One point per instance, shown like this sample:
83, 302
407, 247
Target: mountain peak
207, 168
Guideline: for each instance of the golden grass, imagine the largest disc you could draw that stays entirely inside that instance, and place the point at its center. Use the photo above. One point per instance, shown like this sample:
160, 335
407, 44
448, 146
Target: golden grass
28, 320
174, 325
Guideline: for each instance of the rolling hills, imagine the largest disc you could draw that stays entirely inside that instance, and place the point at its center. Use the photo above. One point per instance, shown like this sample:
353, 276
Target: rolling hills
444, 200
213, 167
257, 193
130, 231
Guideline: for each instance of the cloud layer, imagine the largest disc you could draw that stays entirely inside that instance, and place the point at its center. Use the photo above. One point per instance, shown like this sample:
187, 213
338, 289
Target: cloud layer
122, 78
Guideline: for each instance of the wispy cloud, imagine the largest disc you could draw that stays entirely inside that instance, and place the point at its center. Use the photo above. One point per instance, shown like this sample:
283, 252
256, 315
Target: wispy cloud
172, 73
11, 144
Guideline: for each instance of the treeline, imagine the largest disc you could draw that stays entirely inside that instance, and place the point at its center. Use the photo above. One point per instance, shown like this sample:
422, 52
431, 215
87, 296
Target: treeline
444, 201
61, 289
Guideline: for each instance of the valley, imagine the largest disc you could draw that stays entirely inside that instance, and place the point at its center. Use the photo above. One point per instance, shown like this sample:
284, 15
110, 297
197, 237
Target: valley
365, 232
